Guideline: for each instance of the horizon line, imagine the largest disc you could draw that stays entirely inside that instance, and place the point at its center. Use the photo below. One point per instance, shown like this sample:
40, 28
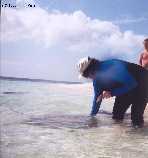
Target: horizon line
37, 79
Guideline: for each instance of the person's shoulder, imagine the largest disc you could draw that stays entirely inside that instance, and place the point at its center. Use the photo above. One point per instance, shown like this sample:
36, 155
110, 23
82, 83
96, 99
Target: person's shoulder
113, 62
117, 61
145, 54
142, 53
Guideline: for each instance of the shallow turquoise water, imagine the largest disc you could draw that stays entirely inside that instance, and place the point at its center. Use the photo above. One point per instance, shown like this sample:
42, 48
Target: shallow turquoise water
42, 120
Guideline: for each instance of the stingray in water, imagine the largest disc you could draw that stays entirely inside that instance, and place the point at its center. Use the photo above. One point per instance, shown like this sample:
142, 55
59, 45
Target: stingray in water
71, 121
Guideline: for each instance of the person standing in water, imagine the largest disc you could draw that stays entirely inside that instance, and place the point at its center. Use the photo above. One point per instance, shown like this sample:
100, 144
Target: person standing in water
143, 61
126, 81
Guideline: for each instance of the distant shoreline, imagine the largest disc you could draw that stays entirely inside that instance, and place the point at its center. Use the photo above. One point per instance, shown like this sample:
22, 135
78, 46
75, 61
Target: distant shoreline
36, 80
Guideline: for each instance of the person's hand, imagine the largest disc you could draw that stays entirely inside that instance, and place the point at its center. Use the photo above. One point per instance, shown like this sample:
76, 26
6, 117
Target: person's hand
106, 95
99, 98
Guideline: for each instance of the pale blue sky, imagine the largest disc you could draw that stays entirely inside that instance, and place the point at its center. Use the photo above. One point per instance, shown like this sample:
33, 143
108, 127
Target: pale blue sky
24, 57
111, 10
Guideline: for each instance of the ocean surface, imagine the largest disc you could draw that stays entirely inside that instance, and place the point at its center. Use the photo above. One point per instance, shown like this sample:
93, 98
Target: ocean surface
51, 120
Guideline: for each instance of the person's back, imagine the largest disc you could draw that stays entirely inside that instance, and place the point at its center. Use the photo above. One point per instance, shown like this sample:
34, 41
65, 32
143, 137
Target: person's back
141, 76
114, 75
137, 71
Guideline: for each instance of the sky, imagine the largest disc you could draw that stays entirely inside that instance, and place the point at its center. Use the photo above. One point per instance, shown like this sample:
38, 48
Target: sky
46, 41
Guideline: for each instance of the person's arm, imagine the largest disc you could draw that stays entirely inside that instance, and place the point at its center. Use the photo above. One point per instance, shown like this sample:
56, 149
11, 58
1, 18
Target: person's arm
96, 101
140, 59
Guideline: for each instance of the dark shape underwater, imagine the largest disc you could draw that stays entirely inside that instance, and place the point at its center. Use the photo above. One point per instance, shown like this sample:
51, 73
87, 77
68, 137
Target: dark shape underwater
56, 121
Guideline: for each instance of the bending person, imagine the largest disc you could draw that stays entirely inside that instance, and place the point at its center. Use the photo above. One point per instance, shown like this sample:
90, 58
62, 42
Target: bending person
126, 81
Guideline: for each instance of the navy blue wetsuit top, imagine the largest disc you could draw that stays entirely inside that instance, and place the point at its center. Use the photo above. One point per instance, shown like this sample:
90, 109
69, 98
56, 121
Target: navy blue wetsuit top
112, 75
